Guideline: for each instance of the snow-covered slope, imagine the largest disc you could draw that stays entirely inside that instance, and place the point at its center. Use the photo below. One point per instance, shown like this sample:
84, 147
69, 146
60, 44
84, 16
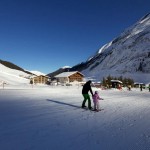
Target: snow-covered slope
37, 73
12, 76
128, 55
66, 67
60, 70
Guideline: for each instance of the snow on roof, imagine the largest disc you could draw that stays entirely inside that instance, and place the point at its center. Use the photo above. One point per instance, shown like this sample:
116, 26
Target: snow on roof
66, 74
40, 76
138, 83
116, 81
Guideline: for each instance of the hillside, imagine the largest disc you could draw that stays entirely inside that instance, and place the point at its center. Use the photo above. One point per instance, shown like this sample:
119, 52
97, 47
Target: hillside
60, 70
13, 76
127, 55
13, 66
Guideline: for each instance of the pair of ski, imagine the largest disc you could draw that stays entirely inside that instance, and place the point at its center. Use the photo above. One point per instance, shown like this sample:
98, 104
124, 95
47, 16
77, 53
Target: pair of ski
86, 108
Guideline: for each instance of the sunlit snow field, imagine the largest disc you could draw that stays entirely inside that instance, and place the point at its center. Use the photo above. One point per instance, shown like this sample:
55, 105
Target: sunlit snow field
50, 118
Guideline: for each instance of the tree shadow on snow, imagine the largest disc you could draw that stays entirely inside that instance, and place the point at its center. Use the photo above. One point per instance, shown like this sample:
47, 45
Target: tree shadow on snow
62, 103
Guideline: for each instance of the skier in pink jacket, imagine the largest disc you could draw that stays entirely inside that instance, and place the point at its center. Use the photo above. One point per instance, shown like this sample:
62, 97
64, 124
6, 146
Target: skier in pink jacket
96, 99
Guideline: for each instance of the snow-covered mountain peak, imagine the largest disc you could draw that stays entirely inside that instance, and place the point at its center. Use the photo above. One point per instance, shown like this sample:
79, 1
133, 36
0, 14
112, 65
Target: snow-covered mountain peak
38, 73
65, 67
106, 46
142, 25
127, 55
145, 18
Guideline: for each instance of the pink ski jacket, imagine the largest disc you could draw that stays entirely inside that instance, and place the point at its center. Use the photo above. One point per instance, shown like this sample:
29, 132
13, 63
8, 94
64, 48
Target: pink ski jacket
95, 98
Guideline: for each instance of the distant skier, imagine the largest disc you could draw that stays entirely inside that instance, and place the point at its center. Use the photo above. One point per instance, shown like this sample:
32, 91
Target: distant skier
149, 87
141, 87
86, 88
129, 87
96, 99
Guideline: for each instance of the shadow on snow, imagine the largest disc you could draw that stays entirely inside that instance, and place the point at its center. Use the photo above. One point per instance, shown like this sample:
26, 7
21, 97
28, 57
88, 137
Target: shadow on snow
62, 103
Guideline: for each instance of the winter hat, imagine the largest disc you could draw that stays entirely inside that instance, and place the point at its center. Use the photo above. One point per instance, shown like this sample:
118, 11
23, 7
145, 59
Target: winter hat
96, 92
89, 82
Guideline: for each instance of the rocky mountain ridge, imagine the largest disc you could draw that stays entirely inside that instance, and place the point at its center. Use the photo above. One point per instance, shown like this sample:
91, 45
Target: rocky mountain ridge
127, 55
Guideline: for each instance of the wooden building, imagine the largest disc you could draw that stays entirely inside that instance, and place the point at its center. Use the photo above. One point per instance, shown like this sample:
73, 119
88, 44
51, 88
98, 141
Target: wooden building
116, 84
68, 77
40, 79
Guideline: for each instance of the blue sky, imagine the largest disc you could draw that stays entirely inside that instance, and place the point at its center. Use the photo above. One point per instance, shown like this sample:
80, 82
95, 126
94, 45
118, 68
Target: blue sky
45, 35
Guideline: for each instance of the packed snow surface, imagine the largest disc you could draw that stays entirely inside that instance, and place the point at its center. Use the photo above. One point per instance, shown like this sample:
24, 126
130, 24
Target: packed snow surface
50, 118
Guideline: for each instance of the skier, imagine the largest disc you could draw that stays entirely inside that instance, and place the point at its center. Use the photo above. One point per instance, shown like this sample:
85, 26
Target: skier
141, 87
86, 88
96, 99
129, 87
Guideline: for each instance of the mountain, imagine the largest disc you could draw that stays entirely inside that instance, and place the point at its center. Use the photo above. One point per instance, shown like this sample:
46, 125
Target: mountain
13, 74
127, 55
13, 66
60, 70
37, 73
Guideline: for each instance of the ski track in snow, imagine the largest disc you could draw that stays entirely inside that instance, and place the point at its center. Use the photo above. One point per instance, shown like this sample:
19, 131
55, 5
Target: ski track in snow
51, 118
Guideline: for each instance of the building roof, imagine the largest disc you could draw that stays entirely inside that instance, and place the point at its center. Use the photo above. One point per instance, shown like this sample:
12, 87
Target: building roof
67, 74
116, 81
41, 76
